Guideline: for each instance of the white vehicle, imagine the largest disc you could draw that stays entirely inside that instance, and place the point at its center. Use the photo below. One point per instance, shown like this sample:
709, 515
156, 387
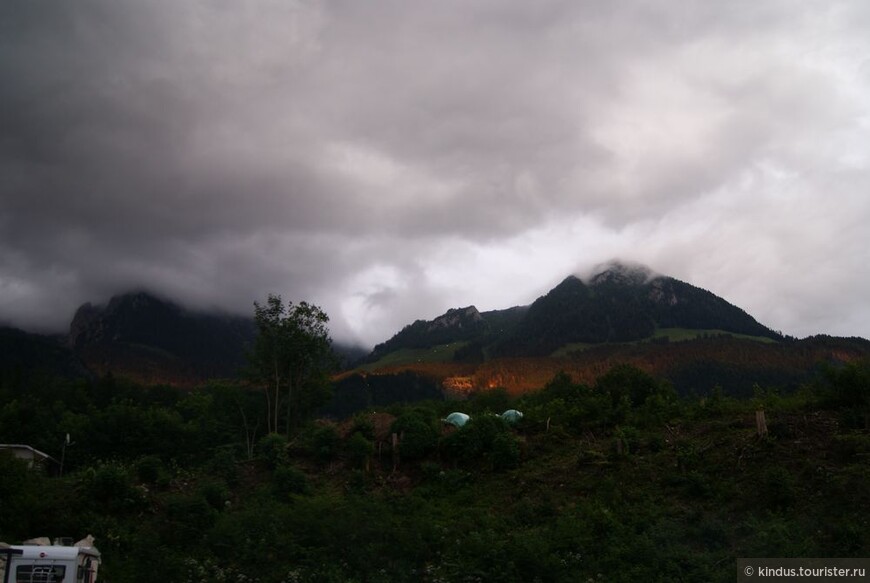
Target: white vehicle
45, 563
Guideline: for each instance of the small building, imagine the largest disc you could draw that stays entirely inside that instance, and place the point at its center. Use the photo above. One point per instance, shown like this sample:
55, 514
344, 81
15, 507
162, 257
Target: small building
25, 452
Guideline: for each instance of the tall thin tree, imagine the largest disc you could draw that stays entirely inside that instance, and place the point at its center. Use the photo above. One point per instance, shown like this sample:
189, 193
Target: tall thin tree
292, 353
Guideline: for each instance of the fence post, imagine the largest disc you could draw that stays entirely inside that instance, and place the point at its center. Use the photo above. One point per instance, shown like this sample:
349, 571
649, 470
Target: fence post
760, 423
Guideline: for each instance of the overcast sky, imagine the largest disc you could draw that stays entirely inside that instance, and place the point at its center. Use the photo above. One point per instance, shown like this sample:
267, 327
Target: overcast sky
390, 160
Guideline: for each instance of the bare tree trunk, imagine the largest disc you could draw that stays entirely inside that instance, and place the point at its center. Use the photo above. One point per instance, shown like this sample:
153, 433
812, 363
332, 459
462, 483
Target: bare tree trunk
268, 409
277, 397
277, 404
250, 435
290, 383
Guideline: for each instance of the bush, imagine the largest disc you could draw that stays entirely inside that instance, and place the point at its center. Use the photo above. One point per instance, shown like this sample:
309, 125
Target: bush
628, 382
359, 449
849, 386
356, 482
362, 424
189, 516
110, 482
478, 440
289, 480
778, 488
111, 486
215, 492
272, 449
223, 465
322, 442
418, 437
505, 451
629, 439
149, 469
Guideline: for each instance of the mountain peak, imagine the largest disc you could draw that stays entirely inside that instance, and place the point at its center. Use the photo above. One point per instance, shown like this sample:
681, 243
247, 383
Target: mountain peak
142, 335
620, 272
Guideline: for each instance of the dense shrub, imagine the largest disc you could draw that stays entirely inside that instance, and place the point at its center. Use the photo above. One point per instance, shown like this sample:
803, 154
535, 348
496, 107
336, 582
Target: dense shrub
322, 442
848, 386
359, 449
215, 492
362, 424
418, 437
272, 449
505, 451
111, 486
778, 488
224, 465
150, 470
626, 381
573, 407
485, 439
189, 515
289, 480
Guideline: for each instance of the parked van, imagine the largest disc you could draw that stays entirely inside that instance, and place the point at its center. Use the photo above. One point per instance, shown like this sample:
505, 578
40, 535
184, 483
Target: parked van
47, 563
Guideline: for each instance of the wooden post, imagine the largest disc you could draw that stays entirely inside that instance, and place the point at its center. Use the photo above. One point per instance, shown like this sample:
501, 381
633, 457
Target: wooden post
760, 423
395, 451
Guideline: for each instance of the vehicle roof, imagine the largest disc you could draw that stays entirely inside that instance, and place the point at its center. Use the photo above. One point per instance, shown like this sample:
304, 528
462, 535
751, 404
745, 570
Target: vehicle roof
54, 552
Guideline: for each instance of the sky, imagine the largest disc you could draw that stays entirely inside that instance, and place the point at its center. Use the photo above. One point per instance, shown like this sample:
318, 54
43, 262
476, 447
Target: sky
388, 160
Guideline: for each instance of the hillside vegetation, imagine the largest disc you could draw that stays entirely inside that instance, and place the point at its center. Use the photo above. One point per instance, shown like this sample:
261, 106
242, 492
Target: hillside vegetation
619, 479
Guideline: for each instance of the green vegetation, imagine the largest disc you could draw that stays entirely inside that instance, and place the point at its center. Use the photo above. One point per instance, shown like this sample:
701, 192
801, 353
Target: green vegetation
567, 349
662, 335
616, 481
682, 334
404, 356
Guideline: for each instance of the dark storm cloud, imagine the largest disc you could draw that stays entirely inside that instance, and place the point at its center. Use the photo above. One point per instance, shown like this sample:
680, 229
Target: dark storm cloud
393, 159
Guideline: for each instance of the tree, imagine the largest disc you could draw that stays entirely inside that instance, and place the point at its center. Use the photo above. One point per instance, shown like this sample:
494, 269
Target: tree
291, 358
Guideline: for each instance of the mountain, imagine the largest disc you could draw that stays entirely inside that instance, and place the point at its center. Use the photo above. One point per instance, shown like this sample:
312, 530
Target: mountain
621, 304
617, 303
25, 357
142, 337
150, 339
617, 314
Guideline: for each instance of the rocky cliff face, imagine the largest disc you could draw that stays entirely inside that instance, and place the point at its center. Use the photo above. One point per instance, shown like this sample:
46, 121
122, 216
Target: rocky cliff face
457, 318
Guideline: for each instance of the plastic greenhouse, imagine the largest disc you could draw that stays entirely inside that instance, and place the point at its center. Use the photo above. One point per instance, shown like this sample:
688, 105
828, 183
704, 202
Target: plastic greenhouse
511, 416
456, 418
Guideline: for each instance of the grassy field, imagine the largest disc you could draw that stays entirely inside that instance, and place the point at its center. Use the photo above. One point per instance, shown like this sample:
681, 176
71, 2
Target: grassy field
680, 334
405, 356
672, 334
